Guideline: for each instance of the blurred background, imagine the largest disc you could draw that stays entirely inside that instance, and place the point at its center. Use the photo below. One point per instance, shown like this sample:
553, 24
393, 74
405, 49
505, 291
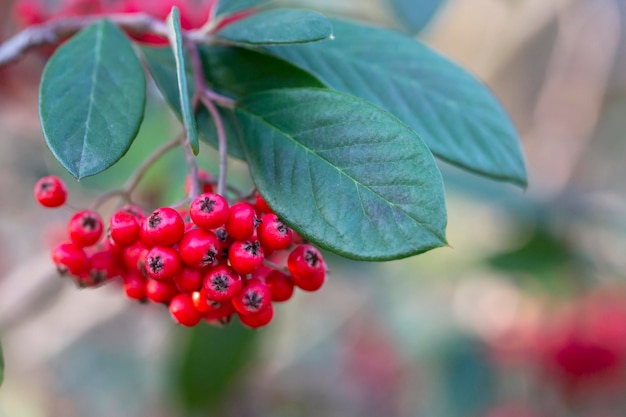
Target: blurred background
524, 317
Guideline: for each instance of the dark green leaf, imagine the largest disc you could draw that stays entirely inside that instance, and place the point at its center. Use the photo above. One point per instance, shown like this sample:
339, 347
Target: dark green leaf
416, 14
207, 366
279, 26
91, 99
162, 66
457, 116
185, 100
232, 6
240, 72
346, 174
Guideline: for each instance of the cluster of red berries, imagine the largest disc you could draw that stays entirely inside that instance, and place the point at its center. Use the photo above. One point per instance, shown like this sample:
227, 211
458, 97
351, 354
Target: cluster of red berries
208, 261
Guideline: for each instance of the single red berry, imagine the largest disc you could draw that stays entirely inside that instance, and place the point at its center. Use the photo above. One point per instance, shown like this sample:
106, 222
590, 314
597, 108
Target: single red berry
163, 263
255, 321
220, 313
273, 233
209, 211
260, 204
134, 285
202, 303
305, 261
261, 273
135, 257
50, 191
313, 283
102, 268
241, 221
205, 180
114, 249
160, 291
246, 256
69, 258
189, 280
199, 248
123, 228
222, 283
183, 310
253, 298
280, 285
85, 228
144, 237
165, 226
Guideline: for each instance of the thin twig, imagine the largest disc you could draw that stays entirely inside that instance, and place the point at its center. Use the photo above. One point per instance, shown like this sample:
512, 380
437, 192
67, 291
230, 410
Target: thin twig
194, 188
53, 32
219, 99
222, 145
134, 180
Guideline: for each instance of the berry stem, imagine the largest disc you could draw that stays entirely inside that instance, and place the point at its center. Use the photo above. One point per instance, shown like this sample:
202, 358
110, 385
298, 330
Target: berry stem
134, 180
194, 189
222, 145
275, 266
53, 32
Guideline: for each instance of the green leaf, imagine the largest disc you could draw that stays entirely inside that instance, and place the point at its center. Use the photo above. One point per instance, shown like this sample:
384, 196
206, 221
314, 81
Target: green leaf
240, 72
91, 99
416, 15
232, 6
279, 26
456, 115
162, 66
346, 174
185, 100
208, 364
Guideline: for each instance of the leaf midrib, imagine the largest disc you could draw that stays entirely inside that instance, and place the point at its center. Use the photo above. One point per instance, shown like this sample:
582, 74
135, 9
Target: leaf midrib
94, 78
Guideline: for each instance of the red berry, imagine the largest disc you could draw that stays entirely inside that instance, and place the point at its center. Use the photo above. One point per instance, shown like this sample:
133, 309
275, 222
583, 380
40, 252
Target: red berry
253, 298
123, 228
50, 191
135, 257
183, 310
85, 228
220, 312
160, 291
222, 283
305, 262
246, 256
273, 233
144, 237
313, 283
163, 263
258, 320
102, 267
205, 179
202, 303
134, 285
165, 226
189, 280
209, 211
69, 258
280, 285
199, 248
135, 211
241, 221
260, 204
